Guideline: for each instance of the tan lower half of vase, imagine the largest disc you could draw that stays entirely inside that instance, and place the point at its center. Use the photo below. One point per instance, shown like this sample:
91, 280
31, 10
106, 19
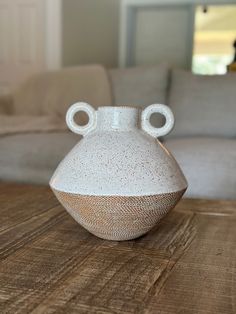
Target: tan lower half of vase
118, 217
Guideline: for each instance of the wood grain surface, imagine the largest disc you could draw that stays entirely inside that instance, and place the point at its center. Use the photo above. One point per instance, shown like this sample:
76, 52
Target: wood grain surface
49, 264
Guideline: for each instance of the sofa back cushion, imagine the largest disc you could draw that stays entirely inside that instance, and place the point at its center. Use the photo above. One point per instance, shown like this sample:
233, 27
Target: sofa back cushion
53, 92
141, 86
203, 104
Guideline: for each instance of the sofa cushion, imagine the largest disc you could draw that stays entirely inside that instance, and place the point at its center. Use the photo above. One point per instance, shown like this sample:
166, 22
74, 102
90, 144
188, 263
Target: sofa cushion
33, 157
209, 165
141, 86
203, 104
54, 91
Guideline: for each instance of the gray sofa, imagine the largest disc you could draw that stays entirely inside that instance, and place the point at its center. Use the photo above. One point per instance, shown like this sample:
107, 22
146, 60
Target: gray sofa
203, 141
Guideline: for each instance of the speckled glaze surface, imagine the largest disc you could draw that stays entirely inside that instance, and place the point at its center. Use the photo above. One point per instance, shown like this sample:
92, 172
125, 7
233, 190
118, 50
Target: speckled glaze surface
119, 180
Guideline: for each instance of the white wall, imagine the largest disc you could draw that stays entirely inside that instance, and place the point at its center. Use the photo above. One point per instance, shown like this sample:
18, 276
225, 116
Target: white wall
90, 32
163, 35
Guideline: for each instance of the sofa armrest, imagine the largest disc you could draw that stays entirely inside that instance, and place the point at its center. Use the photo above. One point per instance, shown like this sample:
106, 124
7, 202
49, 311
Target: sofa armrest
6, 104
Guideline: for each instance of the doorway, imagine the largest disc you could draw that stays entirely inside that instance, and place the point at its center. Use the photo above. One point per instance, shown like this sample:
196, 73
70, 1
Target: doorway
214, 35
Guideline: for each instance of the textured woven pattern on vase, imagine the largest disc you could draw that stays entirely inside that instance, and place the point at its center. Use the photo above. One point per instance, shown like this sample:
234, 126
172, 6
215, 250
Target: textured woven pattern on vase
118, 217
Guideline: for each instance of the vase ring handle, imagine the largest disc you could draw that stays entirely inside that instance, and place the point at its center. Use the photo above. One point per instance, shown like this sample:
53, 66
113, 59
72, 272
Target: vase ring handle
92, 118
157, 108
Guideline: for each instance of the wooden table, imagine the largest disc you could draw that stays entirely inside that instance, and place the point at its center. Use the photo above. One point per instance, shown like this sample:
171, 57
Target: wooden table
49, 264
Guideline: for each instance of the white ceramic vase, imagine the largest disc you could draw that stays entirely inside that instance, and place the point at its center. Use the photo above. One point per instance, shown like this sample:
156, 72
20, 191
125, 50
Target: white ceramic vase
119, 180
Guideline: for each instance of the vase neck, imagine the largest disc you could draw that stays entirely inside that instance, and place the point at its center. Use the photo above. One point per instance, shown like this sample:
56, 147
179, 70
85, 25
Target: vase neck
117, 118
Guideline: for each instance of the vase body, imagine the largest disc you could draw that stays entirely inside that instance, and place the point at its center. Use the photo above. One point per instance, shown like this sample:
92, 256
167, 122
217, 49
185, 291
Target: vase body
119, 180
